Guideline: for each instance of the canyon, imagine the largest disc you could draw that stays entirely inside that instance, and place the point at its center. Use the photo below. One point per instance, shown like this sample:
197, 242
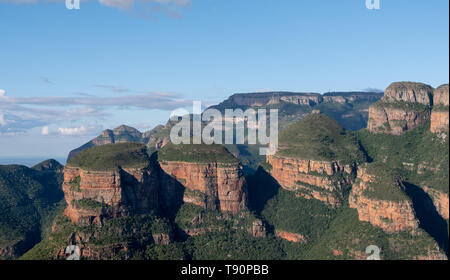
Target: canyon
323, 179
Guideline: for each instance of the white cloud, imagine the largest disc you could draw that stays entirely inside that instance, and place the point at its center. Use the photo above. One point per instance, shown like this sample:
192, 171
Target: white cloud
144, 101
2, 120
2, 92
86, 129
45, 130
72, 130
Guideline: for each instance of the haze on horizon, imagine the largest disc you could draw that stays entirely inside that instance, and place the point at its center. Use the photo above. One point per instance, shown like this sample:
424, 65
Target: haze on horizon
67, 75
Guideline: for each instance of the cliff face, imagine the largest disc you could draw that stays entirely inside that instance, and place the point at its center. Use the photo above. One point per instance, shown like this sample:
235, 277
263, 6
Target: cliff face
94, 195
389, 215
404, 106
439, 114
440, 201
384, 119
311, 179
297, 98
409, 92
213, 186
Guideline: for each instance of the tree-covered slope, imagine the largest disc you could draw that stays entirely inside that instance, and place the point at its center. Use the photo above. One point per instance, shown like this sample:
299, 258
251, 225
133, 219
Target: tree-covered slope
29, 201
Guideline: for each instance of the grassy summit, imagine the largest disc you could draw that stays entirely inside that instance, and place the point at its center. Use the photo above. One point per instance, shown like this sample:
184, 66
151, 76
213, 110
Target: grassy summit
196, 153
387, 184
421, 155
111, 156
319, 137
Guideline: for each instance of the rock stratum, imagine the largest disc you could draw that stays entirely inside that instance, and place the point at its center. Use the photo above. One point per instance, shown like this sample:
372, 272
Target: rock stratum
439, 114
392, 213
407, 105
211, 177
94, 195
317, 159
124, 181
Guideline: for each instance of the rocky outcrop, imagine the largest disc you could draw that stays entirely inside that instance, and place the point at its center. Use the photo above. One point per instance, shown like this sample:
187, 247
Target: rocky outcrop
290, 236
120, 134
439, 114
154, 139
389, 215
215, 186
409, 92
94, 195
258, 229
297, 98
404, 106
389, 120
440, 201
311, 179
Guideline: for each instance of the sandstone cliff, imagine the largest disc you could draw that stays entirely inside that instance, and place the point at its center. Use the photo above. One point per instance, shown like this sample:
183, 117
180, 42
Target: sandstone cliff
439, 114
94, 195
380, 201
440, 201
310, 179
214, 186
404, 106
317, 159
259, 99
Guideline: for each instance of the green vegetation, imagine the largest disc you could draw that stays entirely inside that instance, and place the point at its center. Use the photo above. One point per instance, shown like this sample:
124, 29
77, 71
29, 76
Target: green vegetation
319, 137
421, 157
440, 108
29, 201
387, 183
135, 230
112, 156
233, 245
408, 106
48, 165
196, 153
75, 184
230, 242
308, 217
191, 216
350, 237
89, 204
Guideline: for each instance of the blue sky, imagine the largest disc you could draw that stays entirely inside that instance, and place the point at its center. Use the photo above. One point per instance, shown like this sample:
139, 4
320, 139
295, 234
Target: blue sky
66, 75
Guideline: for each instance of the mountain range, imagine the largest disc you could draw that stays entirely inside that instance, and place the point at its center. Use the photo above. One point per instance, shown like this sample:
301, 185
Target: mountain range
352, 170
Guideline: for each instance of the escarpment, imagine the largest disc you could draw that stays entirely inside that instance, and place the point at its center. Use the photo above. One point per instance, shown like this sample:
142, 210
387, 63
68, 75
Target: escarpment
94, 195
311, 179
404, 106
379, 200
297, 98
118, 180
212, 179
120, 188
317, 159
439, 114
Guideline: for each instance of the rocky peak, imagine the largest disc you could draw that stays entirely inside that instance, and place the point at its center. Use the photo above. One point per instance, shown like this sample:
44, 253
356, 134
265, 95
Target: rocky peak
404, 106
128, 130
49, 165
409, 92
441, 96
